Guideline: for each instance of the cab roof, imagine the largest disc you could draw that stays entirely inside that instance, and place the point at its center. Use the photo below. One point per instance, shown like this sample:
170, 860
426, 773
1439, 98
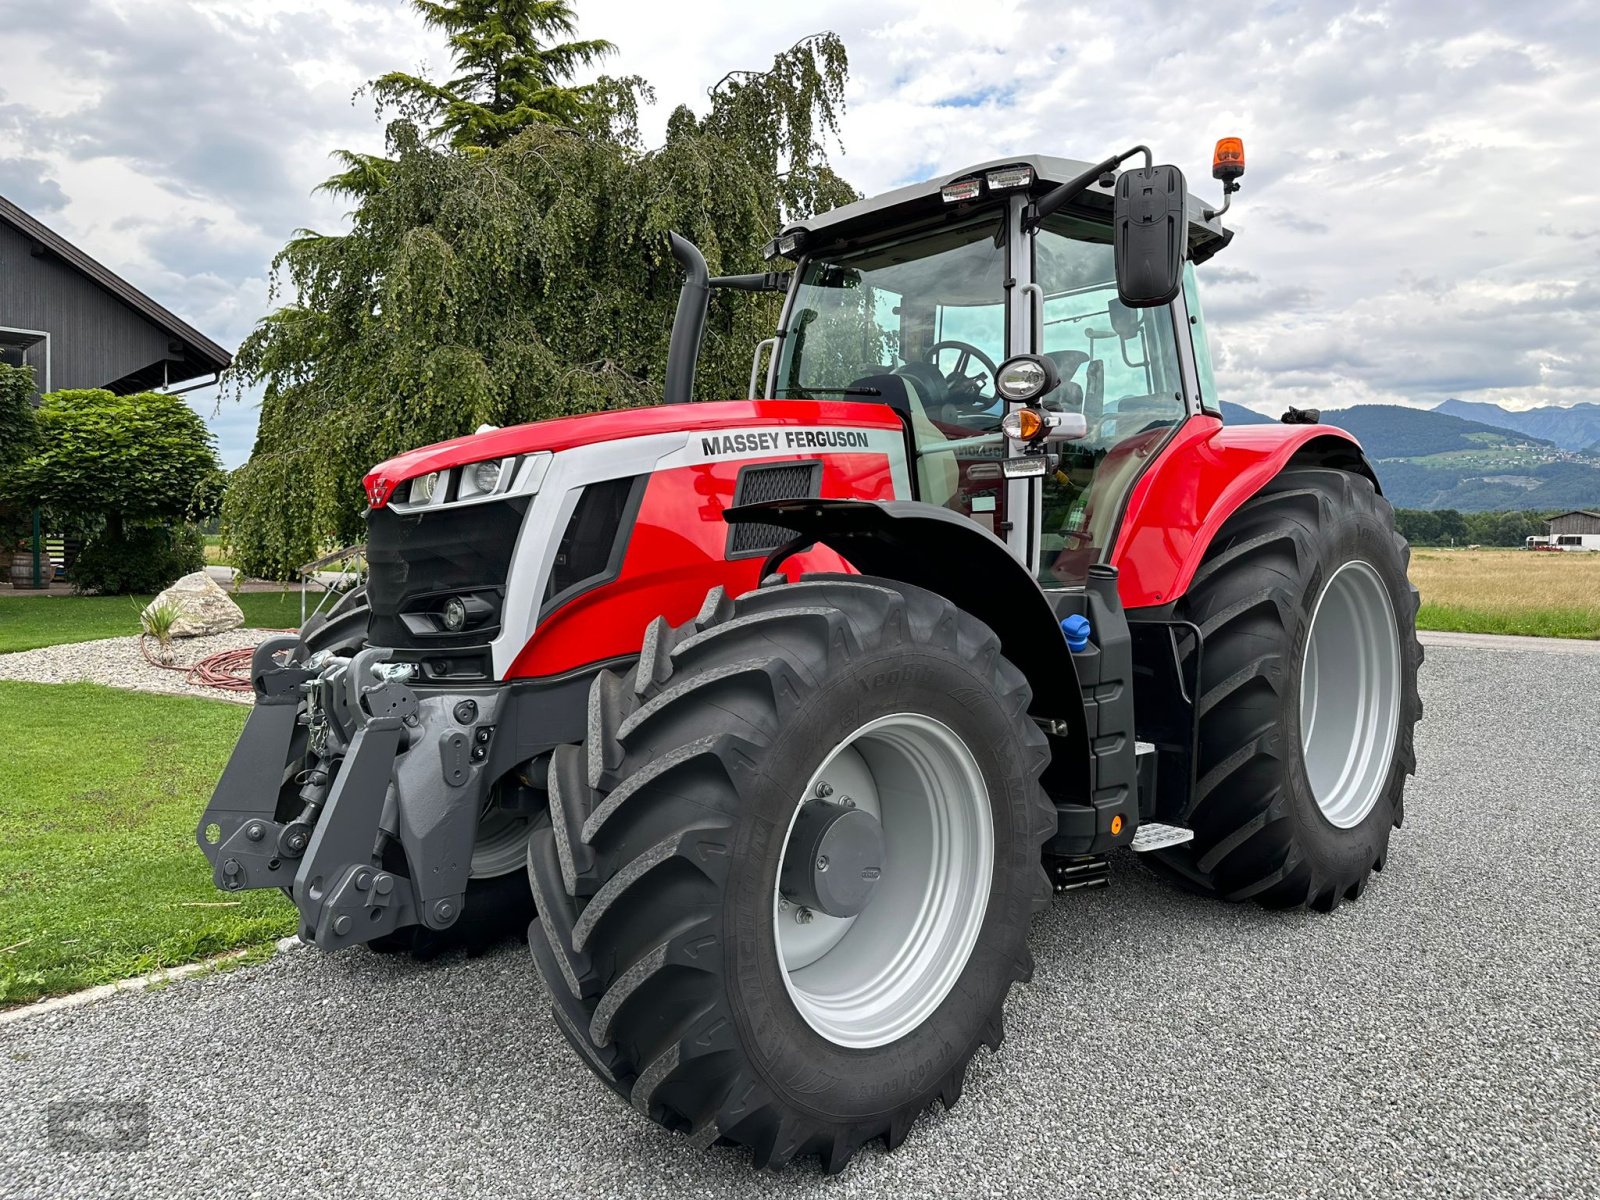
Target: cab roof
921, 200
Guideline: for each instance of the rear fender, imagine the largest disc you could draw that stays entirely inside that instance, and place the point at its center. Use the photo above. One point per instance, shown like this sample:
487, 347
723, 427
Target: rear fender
1196, 483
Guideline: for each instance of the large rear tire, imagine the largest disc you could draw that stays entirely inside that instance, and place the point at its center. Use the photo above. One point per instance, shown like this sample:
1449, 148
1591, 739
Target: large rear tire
1308, 694
679, 968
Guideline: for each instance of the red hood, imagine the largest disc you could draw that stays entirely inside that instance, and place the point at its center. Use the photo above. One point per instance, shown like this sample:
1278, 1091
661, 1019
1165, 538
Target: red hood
562, 433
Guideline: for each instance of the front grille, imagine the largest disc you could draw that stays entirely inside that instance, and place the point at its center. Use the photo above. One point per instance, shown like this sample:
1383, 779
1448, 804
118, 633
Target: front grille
413, 559
781, 481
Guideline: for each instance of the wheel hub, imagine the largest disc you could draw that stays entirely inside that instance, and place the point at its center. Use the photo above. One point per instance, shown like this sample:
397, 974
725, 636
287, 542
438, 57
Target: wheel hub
834, 859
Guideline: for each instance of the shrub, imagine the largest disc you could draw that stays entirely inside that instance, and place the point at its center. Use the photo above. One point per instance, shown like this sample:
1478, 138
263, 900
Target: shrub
157, 621
130, 459
143, 559
17, 437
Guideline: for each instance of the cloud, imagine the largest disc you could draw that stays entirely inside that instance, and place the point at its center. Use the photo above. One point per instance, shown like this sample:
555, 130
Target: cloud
26, 183
1417, 220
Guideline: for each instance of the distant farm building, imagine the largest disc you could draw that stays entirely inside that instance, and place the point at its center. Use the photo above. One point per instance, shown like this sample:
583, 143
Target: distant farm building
78, 325
1576, 530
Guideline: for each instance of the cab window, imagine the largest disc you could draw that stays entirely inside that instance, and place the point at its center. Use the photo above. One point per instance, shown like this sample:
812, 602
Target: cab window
921, 322
1120, 368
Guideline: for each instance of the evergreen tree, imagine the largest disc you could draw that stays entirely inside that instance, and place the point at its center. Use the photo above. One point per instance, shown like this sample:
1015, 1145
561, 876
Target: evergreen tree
512, 72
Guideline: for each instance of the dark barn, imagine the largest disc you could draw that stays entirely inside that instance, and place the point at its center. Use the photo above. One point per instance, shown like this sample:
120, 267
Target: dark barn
78, 325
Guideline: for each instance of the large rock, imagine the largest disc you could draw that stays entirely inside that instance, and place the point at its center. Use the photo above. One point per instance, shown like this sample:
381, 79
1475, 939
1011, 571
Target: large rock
202, 606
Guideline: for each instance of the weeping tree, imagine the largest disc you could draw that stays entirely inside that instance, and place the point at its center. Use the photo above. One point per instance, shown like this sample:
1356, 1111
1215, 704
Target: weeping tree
518, 281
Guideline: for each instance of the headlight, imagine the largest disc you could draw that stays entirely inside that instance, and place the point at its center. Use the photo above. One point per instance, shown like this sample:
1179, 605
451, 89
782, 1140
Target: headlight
1025, 378
423, 487
455, 614
487, 475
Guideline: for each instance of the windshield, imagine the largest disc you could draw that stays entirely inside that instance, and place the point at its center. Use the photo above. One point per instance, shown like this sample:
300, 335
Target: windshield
1119, 367
919, 323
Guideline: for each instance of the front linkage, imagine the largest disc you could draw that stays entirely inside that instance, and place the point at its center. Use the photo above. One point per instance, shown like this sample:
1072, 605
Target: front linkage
334, 770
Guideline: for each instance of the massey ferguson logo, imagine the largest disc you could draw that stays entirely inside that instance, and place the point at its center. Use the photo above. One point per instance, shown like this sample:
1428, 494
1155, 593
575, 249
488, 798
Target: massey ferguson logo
767, 441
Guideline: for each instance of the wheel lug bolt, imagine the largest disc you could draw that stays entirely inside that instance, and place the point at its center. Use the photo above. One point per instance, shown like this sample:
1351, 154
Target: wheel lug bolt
783, 905
803, 915
824, 791
822, 862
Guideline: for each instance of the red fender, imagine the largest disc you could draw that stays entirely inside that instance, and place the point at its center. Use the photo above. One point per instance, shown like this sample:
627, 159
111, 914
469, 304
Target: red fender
1196, 483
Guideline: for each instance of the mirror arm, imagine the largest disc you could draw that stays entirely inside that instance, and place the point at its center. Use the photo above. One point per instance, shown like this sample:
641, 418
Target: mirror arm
770, 281
1073, 188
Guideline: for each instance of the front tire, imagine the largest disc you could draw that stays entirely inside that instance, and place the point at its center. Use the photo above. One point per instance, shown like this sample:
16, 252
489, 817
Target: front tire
661, 934
1308, 694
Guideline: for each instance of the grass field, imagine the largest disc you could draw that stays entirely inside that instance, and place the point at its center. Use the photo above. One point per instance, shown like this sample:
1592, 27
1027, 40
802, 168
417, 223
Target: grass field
27, 622
100, 877
215, 557
1508, 591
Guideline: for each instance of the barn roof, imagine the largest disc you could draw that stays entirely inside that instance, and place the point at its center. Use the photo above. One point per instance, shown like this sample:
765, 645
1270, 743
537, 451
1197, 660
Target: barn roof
201, 355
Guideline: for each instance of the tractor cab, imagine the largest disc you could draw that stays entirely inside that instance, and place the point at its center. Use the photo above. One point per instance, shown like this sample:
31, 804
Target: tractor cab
923, 296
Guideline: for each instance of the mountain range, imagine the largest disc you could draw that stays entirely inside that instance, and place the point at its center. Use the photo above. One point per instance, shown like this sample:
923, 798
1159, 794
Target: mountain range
1574, 428
1455, 456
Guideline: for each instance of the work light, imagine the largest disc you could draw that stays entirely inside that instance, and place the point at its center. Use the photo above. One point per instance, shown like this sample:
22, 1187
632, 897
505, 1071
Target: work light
1020, 175
1025, 378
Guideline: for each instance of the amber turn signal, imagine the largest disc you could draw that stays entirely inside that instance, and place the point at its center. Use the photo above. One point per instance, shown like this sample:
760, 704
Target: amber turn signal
1227, 161
1116, 825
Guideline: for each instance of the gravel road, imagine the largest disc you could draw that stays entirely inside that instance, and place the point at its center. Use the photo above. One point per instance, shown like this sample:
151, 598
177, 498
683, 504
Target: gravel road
1439, 1038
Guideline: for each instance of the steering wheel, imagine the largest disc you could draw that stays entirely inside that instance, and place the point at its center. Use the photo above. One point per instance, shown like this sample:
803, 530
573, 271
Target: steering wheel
960, 388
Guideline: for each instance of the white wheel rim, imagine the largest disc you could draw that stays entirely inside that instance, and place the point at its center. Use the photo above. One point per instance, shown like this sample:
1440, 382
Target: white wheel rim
1350, 694
871, 979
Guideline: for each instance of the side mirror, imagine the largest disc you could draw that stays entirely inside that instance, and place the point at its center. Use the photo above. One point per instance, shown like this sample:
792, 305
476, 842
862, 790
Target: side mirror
1150, 229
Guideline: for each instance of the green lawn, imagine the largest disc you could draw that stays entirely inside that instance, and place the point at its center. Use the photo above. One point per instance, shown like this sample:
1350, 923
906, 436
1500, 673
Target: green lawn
27, 622
100, 877
1546, 622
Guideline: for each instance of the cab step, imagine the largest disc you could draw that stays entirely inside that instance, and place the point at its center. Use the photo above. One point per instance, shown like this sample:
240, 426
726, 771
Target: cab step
1151, 836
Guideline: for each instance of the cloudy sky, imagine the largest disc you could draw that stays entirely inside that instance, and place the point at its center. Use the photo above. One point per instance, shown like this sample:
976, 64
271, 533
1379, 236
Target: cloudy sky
1421, 217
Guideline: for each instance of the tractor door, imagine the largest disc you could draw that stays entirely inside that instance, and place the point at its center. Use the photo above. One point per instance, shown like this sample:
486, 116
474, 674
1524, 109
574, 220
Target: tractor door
1122, 369
920, 321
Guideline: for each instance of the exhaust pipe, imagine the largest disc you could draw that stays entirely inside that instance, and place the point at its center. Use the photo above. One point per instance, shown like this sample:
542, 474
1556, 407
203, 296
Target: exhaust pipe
689, 323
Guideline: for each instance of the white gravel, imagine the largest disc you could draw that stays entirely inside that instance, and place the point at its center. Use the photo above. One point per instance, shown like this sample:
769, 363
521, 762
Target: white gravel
117, 662
1439, 1038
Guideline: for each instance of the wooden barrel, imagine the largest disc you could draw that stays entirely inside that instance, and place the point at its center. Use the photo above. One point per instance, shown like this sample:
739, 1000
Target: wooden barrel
22, 570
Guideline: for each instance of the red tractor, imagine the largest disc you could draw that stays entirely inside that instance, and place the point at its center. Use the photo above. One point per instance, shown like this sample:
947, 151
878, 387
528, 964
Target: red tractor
780, 717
